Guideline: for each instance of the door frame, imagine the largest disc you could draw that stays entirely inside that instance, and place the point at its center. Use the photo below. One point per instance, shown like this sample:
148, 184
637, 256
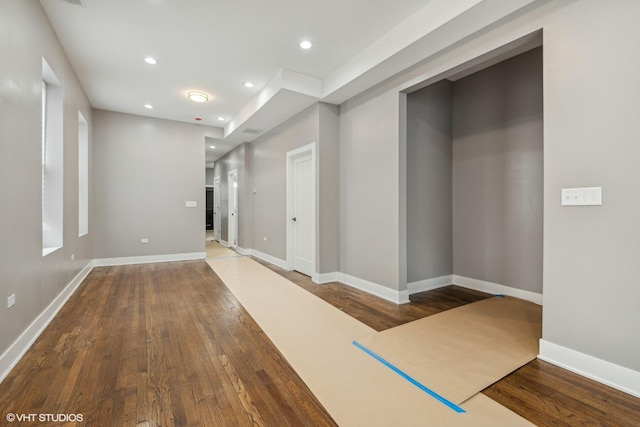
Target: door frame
217, 214
291, 157
230, 219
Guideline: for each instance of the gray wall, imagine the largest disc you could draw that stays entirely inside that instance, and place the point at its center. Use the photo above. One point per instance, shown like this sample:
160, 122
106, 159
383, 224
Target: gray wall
591, 92
209, 176
429, 183
497, 173
25, 38
369, 188
145, 170
269, 179
328, 194
267, 170
591, 131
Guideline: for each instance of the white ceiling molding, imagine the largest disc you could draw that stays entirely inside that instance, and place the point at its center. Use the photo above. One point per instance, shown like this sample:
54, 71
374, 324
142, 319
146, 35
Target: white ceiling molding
353, 52
284, 91
437, 26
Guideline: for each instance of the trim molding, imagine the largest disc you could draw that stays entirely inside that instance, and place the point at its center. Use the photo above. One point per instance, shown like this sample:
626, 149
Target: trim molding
616, 376
429, 284
397, 297
495, 288
14, 353
107, 262
243, 251
266, 257
322, 278
224, 243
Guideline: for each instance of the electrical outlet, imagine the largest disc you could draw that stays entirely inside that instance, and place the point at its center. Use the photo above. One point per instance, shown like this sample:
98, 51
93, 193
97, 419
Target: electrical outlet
11, 301
144, 240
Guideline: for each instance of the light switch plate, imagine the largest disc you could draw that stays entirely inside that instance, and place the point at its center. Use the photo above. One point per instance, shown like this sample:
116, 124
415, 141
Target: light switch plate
588, 196
191, 204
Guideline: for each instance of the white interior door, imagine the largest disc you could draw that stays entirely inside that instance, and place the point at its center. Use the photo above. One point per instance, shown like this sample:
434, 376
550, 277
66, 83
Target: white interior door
233, 208
217, 213
303, 214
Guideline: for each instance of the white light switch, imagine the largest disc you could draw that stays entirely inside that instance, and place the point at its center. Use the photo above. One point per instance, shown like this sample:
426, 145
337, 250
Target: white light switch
590, 196
191, 204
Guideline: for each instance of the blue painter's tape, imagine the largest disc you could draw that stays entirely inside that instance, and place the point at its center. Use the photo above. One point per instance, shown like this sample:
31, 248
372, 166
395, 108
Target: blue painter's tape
411, 380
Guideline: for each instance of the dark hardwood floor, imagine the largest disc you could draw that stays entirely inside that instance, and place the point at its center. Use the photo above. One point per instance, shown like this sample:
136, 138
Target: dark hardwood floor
169, 345
158, 345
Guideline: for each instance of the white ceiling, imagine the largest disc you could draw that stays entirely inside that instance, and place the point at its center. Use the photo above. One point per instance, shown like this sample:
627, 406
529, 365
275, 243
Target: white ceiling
214, 46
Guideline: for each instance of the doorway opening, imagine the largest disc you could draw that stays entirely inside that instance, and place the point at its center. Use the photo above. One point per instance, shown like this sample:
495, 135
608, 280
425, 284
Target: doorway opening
233, 208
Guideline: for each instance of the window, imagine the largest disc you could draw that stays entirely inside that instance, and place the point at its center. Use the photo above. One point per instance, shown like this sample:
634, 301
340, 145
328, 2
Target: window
83, 175
52, 161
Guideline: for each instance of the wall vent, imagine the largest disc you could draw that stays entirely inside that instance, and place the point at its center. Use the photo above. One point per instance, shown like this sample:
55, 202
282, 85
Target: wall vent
76, 2
252, 131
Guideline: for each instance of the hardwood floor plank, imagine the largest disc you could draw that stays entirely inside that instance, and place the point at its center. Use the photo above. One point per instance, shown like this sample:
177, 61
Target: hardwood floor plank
169, 345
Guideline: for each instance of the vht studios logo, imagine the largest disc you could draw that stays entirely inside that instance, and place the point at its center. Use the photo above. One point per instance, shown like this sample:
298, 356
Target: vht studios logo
45, 418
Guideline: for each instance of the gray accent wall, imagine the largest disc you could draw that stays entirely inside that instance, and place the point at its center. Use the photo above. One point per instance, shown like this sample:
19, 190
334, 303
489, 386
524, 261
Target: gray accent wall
429, 183
497, 173
145, 169
25, 38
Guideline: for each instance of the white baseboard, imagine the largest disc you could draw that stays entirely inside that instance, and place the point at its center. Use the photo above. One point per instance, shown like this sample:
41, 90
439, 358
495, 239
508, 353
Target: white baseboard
271, 259
108, 262
495, 288
19, 347
224, 243
398, 297
429, 284
243, 251
322, 278
616, 376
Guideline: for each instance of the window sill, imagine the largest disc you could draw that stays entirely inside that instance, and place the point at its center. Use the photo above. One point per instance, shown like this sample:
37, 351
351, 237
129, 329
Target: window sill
47, 251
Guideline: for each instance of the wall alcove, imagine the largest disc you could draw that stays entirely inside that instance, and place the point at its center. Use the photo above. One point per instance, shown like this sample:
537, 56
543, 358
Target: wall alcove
475, 177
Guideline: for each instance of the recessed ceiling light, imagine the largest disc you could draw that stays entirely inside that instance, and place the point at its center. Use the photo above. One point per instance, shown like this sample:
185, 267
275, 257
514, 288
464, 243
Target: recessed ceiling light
212, 146
248, 84
220, 118
305, 44
150, 60
148, 106
198, 96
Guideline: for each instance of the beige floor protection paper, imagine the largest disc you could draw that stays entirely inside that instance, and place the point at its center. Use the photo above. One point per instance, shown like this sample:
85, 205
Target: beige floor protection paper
460, 352
216, 250
316, 339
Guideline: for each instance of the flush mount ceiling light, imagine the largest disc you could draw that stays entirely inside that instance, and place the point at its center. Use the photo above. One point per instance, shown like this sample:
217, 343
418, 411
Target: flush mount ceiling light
148, 106
220, 118
198, 96
212, 146
305, 44
150, 60
248, 84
